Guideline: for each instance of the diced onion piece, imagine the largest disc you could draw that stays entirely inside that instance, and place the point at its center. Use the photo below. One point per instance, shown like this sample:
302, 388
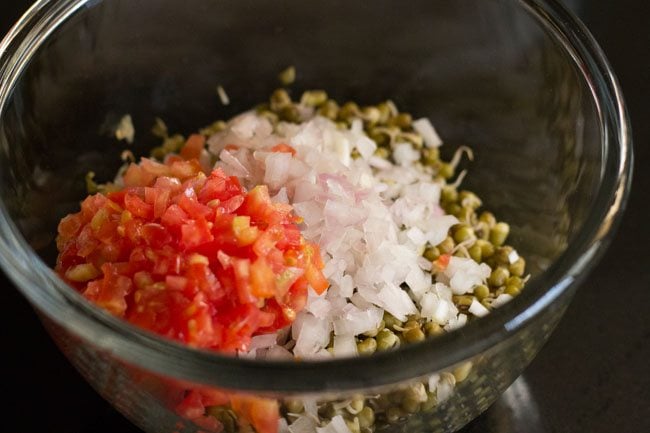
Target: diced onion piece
478, 309
427, 131
501, 300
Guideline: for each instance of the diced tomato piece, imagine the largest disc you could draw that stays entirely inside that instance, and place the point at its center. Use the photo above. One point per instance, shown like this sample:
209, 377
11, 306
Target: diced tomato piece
185, 169
232, 204
262, 413
155, 235
193, 147
257, 204
286, 279
262, 279
70, 226
195, 232
213, 189
192, 406
137, 206
296, 298
86, 242
242, 269
174, 216
172, 158
291, 237
154, 167
195, 209
267, 241
316, 279
136, 175
285, 148
243, 232
91, 205
161, 202
175, 282
165, 183
110, 292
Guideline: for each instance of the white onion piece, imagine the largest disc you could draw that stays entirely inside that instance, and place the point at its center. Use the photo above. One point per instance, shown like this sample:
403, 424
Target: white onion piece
233, 166
427, 131
344, 346
501, 300
478, 309
311, 336
277, 169
278, 353
405, 155
464, 274
281, 196
263, 341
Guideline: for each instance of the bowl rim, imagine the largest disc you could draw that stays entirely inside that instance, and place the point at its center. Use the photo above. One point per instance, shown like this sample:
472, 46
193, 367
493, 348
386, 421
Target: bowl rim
138, 347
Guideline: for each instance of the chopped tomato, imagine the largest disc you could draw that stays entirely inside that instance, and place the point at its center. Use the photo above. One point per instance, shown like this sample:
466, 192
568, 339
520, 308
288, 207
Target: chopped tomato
197, 259
193, 147
262, 413
192, 257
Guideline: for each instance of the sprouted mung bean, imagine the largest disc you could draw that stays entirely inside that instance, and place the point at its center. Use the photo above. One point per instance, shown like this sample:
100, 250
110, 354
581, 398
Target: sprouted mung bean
407, 253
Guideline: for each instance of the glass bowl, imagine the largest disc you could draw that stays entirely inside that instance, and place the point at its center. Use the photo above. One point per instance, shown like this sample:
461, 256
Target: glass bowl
521, 82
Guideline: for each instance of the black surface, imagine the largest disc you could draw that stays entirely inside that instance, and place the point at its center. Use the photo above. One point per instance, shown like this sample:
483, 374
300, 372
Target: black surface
592, 376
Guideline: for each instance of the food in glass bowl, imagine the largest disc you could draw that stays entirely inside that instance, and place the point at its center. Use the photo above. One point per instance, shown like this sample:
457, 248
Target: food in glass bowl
522, 83
296, 230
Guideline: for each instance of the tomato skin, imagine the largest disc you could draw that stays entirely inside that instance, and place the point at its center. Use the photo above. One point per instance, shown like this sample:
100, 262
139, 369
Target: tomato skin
442, 262
190, 256
283, 147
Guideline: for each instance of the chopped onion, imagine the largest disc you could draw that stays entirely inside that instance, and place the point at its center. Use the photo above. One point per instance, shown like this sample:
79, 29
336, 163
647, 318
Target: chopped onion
501, 300
263, 341
513, 256
344, 346
427, 131
478, 309
371, 219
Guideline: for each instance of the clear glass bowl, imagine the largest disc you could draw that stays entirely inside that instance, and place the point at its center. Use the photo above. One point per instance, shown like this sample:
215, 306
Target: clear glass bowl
521, 82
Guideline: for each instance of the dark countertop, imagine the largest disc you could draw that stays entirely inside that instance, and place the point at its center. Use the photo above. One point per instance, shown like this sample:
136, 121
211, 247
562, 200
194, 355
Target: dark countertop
592, 376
